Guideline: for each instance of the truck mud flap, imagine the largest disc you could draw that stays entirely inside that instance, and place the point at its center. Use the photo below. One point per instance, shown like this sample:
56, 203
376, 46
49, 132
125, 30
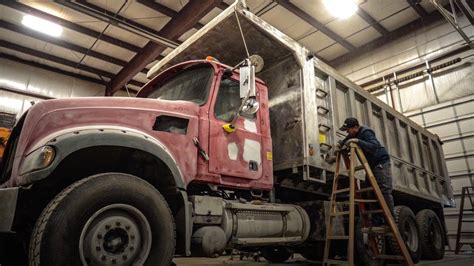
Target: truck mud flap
8, 200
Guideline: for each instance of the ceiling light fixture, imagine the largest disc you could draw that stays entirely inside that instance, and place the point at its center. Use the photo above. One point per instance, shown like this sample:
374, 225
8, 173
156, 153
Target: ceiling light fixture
42, 25
341, 8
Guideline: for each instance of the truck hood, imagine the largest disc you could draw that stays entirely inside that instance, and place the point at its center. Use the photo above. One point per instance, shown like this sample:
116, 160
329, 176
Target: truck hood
135, 113
49, 118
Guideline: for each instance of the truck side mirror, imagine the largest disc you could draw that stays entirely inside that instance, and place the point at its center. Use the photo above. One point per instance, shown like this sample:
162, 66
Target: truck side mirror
247, 80
250, 107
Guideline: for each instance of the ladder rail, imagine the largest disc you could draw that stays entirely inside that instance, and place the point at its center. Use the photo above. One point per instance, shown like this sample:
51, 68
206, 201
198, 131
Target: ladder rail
332, 209
387, 213
465, 191
351, 208
356, 153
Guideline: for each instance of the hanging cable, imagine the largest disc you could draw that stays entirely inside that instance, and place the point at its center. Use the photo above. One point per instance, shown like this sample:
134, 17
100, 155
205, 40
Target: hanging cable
241, 33
126, 88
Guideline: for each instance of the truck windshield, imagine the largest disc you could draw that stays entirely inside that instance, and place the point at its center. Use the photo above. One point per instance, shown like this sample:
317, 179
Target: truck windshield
190, 85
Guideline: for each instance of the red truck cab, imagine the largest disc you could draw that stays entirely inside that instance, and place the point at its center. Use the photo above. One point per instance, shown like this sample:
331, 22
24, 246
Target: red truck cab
241, 159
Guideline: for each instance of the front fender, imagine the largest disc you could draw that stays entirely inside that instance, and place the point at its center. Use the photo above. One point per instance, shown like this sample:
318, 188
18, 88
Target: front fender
69, 142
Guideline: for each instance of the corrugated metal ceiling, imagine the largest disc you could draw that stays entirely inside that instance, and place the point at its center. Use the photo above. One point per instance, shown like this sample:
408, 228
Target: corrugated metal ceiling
305, 21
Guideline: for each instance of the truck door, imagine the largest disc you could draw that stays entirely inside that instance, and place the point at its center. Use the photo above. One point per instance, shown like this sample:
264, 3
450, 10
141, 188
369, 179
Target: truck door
236, 154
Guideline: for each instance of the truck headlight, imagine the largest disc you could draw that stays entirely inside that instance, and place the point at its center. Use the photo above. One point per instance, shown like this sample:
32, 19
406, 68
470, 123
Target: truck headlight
39, 159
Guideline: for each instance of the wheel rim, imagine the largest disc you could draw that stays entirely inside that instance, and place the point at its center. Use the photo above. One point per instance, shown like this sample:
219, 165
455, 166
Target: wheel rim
118, 234
410, 235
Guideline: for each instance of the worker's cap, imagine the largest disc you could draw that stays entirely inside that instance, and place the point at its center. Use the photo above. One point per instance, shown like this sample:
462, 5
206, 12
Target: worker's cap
349, 123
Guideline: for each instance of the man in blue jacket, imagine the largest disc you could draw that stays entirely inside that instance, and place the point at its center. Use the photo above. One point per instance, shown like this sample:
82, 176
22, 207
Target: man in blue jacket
376, 154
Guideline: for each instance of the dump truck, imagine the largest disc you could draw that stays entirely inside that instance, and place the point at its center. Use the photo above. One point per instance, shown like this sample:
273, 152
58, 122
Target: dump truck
230, 152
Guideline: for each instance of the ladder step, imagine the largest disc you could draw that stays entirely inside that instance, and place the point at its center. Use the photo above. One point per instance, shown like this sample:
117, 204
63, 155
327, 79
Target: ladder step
389, 257
366, 200
340, 213
366, 189
336, 262
358, 168
372, 211
376, 230
467, 221
337, 237
342, 190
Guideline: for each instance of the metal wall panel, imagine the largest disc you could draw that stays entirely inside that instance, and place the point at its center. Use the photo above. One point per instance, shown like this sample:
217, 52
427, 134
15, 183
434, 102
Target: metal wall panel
449, 113
30, 80
452, 121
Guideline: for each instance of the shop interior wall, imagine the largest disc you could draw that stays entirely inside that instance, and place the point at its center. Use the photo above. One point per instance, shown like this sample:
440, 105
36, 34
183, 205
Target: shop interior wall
444, 105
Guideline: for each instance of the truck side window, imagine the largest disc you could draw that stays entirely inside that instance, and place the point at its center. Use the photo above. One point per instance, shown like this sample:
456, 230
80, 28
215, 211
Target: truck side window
228, 100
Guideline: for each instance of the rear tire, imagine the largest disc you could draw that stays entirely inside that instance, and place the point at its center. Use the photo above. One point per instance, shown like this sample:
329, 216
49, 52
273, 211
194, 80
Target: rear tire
407, 226
431, 234
102, 218
276, 254
364, 254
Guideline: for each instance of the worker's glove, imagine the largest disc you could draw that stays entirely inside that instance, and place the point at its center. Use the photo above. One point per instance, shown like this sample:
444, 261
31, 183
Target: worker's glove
353, 140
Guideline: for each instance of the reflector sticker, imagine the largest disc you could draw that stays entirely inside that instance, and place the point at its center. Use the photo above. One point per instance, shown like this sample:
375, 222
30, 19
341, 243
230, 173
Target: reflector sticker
269, 155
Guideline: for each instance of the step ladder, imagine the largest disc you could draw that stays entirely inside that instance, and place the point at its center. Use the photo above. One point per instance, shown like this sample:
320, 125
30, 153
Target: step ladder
355, 197
465, 192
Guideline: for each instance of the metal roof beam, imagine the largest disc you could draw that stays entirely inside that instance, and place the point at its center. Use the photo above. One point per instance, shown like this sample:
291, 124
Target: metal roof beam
408, 28
67, 24
316, 24
118, 21
64, 44
187, 18
164, 10
415, 4
60, 60
372, 22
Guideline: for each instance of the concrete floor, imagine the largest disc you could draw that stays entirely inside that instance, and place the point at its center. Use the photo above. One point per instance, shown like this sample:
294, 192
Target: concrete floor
449, 259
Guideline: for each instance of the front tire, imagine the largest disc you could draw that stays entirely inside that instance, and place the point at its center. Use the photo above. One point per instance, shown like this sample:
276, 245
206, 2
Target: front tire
110, 218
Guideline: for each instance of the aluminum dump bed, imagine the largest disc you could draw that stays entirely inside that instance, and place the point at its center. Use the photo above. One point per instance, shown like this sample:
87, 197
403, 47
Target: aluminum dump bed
309, 100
